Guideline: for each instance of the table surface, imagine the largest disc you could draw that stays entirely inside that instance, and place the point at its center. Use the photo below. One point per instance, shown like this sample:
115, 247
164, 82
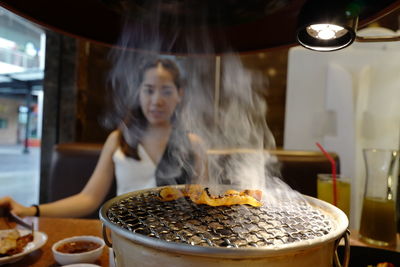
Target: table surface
56, 229
355, 241
59, 228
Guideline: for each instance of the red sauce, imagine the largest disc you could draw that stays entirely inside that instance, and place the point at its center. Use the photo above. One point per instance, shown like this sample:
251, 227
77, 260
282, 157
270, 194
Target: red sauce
77, 247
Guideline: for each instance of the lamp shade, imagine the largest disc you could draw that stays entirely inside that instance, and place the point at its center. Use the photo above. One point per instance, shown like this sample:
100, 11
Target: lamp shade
327, 25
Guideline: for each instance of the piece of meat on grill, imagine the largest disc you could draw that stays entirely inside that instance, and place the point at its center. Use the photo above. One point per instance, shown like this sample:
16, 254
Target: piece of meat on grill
200, 195
385, 264
170, 193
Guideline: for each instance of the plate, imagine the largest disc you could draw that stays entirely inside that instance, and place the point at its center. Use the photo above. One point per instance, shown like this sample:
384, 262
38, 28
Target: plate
364, 256
39, 239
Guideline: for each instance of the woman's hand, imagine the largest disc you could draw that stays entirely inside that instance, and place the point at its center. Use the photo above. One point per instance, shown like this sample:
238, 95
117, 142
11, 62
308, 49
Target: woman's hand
16, 208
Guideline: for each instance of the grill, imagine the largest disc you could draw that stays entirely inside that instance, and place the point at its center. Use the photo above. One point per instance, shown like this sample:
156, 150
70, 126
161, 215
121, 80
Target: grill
238, 226
147, 232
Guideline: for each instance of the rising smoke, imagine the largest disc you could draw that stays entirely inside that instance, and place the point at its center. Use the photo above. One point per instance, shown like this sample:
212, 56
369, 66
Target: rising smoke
230, 124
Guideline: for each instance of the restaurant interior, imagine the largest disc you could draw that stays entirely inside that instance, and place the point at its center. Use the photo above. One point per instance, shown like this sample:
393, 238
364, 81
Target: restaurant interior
307, 105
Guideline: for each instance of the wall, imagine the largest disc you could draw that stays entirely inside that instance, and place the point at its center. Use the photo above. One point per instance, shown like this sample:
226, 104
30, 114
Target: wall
93, 66
272, 65
92, 69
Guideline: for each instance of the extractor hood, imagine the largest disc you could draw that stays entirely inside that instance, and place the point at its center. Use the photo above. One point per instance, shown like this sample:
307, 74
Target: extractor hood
243, 26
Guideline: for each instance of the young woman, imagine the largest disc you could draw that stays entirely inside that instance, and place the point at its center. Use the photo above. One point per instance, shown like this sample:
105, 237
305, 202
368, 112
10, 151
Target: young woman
147, 150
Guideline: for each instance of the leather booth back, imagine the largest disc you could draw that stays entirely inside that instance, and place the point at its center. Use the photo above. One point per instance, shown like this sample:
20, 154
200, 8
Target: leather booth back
299, 169
71, 167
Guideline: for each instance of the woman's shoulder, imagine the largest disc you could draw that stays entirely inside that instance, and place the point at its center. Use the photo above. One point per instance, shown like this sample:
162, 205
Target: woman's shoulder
197, 144
194, 138
112, 142
114, 135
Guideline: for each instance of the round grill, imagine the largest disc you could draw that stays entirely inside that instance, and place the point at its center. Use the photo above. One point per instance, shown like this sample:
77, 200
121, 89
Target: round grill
183, 221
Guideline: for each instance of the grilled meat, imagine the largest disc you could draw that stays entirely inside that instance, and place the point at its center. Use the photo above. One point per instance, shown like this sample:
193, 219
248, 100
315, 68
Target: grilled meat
200, 195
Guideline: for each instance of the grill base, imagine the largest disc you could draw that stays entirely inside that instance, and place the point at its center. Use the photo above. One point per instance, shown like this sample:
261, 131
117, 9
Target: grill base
131, 254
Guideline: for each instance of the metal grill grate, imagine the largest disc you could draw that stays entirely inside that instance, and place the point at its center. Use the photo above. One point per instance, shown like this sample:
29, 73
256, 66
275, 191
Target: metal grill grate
227, 226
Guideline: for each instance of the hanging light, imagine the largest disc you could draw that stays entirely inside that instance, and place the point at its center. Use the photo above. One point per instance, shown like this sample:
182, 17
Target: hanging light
327, 25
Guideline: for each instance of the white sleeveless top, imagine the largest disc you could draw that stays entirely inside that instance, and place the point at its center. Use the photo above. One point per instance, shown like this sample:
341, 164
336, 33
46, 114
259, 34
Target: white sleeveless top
132, 174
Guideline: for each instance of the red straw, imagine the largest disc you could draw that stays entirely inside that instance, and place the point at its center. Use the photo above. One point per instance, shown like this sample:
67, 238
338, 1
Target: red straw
333, 166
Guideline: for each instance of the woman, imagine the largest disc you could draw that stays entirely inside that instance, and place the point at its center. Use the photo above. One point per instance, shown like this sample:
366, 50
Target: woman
146, 151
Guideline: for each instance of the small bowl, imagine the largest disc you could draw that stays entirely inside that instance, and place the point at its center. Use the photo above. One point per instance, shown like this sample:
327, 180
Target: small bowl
82, 257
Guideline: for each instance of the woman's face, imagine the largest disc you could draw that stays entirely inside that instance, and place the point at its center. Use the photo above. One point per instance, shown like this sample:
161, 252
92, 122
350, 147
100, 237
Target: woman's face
158, 96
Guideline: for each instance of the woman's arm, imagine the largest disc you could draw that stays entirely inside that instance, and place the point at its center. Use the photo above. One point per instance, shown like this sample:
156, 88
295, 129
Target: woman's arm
200, 164
88, 199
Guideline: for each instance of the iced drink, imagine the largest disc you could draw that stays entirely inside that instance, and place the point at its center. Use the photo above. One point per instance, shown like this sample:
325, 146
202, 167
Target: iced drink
325, 191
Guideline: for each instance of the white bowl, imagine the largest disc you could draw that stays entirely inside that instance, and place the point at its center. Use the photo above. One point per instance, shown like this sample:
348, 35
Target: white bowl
84, 257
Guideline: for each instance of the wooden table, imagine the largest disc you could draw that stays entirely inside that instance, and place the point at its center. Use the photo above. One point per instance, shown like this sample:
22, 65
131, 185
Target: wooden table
59, 228
355, 241
56, 229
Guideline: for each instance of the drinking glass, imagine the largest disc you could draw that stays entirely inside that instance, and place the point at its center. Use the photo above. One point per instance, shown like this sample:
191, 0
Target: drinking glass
378, 219
325, 191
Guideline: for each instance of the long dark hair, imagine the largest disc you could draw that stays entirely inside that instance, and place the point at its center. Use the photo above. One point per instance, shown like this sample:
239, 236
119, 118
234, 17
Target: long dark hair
135, 123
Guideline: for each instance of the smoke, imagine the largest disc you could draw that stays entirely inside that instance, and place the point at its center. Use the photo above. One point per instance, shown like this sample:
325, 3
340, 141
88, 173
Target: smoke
223, 105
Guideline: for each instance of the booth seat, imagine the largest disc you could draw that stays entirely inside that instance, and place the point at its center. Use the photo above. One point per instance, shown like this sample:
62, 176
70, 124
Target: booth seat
73, 163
